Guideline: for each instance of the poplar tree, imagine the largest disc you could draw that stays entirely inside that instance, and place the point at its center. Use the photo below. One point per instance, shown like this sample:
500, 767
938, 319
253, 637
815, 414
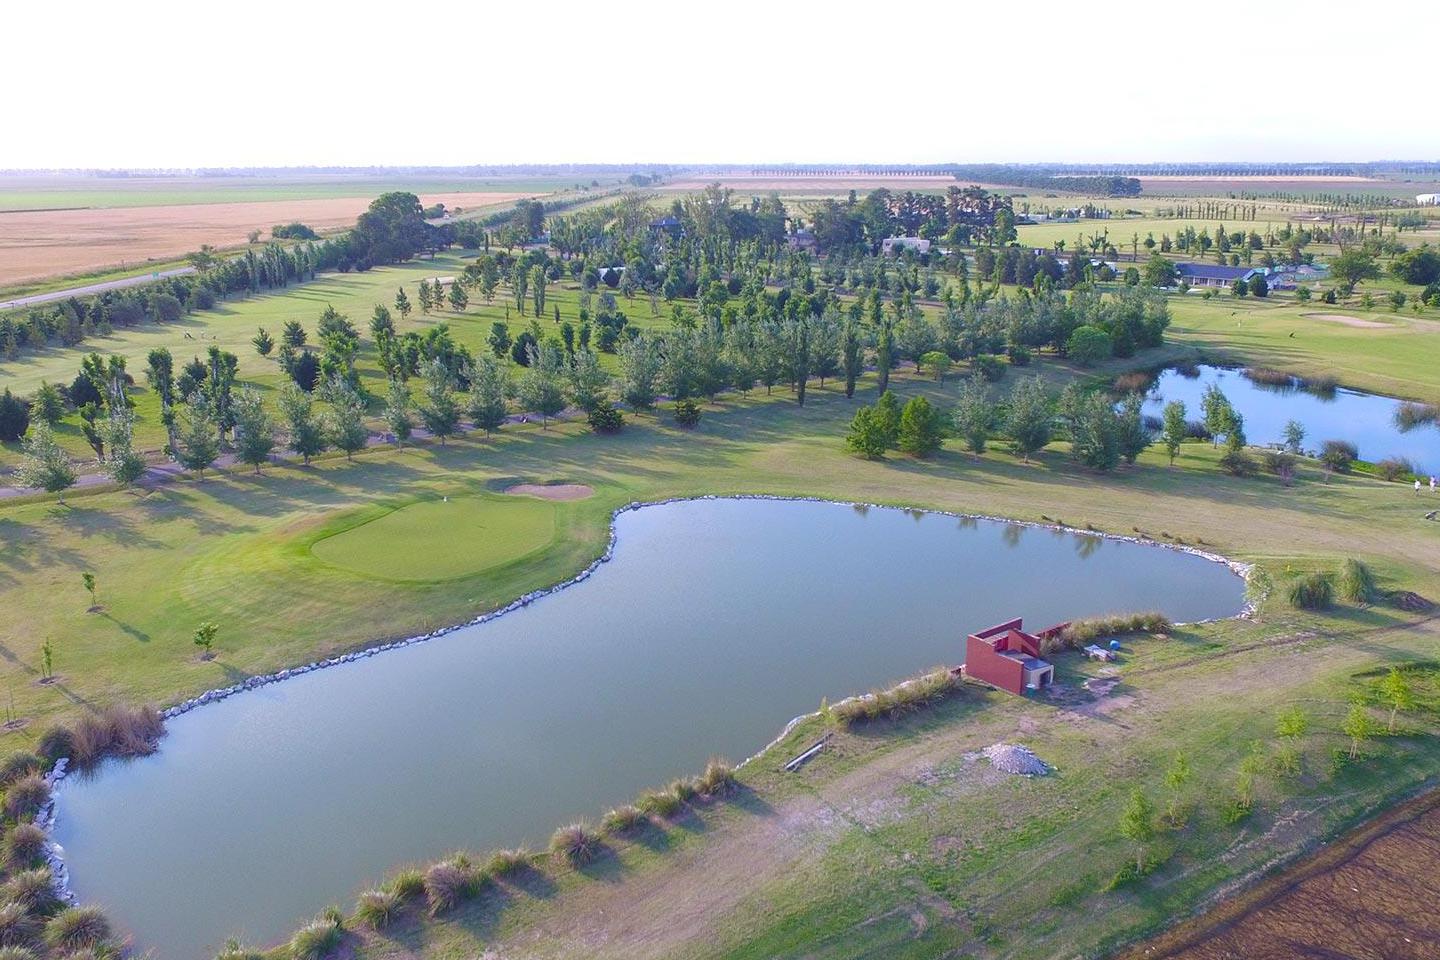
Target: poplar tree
397, 411
489, 387
307, 432
255, 429
440, 413
1174, 428
44, 465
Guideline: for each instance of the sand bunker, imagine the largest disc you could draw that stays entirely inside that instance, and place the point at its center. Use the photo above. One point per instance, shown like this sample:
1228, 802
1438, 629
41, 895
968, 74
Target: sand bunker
1013, 758
1348, 321
552, 491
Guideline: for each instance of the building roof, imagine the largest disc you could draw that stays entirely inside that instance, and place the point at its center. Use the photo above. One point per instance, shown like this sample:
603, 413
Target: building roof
1213, 271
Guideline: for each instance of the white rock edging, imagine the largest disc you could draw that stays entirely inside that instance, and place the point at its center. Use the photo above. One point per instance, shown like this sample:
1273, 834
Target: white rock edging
45, 819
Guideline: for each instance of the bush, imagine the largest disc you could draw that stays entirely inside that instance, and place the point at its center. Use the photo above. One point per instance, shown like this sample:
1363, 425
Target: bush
687, 412
316, 940
447, 883
1395, 468
1279, 462
1313, 591
407, 884
623, 820
1410, 415
503, 863
1237, 462
77, 928
55, 743
1269, 376
17, 926
1019, 356
25, 797
1338, 455
718, 778
18, 765
903, 697
34, 890
661, 803
24, 846
1357, 583
577, 844
988, 366
378, 908
1088, 345
605, 418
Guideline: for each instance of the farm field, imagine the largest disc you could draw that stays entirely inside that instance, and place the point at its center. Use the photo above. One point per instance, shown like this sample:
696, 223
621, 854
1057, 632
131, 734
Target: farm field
45, 243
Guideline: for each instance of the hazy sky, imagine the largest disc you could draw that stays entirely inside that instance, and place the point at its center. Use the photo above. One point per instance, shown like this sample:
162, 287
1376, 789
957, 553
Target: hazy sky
152, 83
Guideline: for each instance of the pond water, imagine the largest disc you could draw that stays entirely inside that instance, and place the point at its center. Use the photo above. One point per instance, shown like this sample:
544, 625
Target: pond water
715, 623
1364, 419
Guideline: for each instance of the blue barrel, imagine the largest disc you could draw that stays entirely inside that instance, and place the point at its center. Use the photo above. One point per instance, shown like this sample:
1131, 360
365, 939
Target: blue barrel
1114, 644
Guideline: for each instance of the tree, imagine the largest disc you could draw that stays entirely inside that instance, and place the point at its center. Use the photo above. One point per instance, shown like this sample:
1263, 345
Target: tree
589, 385
44, 465
14, 417
263, 342
489, 386
1219, 414
1137, 824
205, 637
1258, 286
542, 387
123, 465
974, 414
254, 429
867, 434
1132, 433
920, 433
1176, 777
1395, 691
402, 303
1028, 421
1160, 271
47, 405
687, 412
426, 299
199, 437
347, 419
604, 418
1352, 267
1088, 345
887, 417
47, 660
1294, 436
293, 334
306, 430
1094, 434
640, 366
88, 579
459, 300
938, 361
1174, 428
439, 412
499, 338
1235, 460
852, 353
398, 411
1359, 726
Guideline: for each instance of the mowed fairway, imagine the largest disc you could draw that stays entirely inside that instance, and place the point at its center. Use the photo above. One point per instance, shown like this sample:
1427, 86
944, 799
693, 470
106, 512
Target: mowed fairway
438, 539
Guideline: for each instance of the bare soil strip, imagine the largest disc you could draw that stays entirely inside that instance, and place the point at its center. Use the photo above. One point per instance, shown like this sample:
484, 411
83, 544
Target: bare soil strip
1348, 321
552, 491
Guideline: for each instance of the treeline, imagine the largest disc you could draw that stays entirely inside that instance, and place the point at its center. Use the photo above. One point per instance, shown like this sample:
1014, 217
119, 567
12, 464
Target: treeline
1048, 178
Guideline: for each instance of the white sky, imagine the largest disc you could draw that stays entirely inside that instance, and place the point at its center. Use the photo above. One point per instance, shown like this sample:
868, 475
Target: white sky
154, 83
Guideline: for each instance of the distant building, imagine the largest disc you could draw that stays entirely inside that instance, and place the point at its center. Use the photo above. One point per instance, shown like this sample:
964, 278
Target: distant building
1428, 199
896, 244
802, 240
1288, 277
667, 224
1007, 657
1214, 275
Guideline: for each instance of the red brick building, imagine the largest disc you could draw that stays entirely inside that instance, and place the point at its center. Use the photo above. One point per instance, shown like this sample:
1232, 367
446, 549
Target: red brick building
1007, 657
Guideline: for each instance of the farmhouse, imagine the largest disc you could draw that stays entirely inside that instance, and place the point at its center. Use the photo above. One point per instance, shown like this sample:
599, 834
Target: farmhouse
1214, 275
802, 239
667, 224
895, 244
1007, 657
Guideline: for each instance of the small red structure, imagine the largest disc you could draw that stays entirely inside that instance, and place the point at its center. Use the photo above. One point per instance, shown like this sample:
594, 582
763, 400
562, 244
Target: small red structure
1007, 657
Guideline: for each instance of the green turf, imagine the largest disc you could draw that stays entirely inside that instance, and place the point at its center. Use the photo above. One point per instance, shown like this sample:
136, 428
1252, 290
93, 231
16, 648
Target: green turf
437, 539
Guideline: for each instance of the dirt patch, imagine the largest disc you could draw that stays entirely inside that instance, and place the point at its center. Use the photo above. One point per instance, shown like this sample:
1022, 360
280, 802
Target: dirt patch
552, 491
45, 243
1368, 896
1347, 321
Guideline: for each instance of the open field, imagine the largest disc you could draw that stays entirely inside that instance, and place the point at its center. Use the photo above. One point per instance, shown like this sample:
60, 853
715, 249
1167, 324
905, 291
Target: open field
43, 243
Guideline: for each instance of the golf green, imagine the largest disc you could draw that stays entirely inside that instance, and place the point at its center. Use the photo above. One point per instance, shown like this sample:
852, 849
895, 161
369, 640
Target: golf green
440, 539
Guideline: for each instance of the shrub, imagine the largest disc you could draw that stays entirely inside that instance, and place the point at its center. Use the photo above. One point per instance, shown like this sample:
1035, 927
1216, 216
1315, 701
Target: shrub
25, 797
506, 862
34, 890
661, 803
117, 731
17, 926
77, 928
718, 778
1313, 591
903, 697
55, 743
1279, 462
378, 908
316, 940
1338, 455
1019, 356
447, 883
18, 765
1236, 462
1078, 633
24, 846
578, 844
687, 412
1395, 468
1357, 583
407, 884
988, 366
605, 418
622, 820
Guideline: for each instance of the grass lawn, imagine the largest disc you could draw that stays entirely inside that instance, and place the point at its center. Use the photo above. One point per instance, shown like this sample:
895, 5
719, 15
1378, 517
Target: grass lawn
436, 539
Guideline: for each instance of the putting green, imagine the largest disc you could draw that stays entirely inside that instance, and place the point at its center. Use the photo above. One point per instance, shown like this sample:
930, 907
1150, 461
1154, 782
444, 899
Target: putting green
441, 539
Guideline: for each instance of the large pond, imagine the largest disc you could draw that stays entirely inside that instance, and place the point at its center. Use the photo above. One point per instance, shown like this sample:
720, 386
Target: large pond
1364, 419
715, 623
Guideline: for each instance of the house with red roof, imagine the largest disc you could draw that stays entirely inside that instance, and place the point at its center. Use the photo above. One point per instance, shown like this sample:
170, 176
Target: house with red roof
1007, 657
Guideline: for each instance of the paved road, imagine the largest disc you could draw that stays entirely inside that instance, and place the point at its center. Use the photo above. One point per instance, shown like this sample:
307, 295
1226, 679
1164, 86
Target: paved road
89, 288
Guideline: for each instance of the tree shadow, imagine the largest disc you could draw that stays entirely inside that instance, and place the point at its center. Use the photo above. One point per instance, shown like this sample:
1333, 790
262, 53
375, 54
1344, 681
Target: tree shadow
134, 633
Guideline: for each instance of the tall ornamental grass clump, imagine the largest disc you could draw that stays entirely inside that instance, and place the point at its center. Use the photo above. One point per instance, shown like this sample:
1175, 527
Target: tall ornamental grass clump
1357, 583
448, 883
26, 796
378, 908
903, 697
77, 928
1311, 591
316, 940
577, 844
1078, 633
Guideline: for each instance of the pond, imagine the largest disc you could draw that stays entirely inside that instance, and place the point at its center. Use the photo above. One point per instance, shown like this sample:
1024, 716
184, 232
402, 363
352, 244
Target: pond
715, 622
1364, 419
